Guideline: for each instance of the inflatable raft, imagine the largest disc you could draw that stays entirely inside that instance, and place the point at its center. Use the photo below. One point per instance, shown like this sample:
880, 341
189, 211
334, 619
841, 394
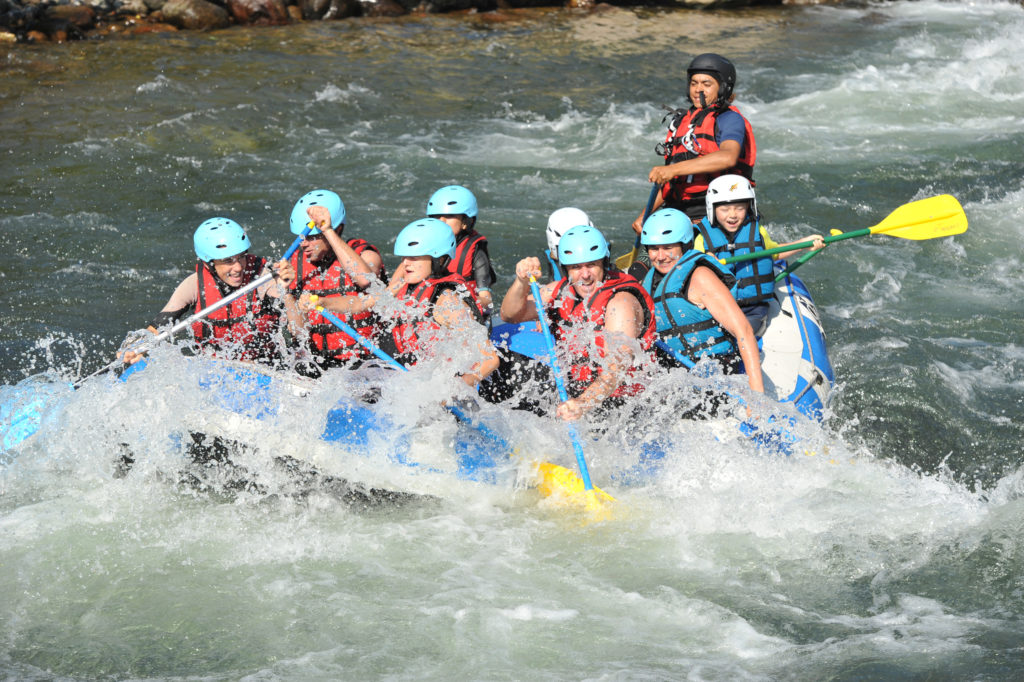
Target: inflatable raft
794, 357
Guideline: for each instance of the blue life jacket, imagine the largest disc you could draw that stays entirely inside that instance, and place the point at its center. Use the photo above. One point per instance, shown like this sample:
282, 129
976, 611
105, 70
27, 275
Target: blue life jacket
691, 331
755, 279
554, 271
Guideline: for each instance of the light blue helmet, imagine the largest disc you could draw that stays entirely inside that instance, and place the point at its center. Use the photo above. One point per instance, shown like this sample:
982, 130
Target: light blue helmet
452, 200
582, 244
318, 197
667, 226
426, 237
220, 238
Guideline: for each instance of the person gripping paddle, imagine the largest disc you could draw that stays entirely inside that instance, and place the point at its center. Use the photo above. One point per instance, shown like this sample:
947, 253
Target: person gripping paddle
243, 329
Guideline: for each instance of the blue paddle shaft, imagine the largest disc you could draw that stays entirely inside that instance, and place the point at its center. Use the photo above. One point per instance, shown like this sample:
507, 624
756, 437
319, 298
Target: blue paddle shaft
297, 243
581, 460
256, 283
680, 358
647, 212
359, 338
455, 410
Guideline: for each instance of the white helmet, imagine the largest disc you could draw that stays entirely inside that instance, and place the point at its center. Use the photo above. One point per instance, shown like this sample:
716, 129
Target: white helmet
726, 189
561, 220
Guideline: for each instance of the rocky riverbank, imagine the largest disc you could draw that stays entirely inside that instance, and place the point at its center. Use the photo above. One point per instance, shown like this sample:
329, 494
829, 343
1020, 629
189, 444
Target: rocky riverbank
31, 21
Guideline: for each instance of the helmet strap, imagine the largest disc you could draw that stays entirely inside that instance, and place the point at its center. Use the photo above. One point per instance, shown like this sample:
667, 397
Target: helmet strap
439, 266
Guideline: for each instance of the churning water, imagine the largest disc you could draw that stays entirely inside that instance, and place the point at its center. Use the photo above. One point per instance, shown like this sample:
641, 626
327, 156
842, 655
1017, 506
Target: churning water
889, 547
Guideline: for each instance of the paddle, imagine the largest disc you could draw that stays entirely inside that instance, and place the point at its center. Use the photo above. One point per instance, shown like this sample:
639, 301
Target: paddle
149, 344
625, 260
595, 497
552, 476
931, 218
28, 418
800, 261
356, 336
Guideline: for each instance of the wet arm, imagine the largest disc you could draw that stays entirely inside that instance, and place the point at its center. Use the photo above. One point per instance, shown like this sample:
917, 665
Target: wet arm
483, 275
726, 157
622, 327
706, 290
518, 306
452, 312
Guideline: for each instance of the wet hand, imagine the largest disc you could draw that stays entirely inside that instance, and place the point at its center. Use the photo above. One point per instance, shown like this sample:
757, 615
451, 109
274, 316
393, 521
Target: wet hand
321, 217
570, 410
134, 340
396, 282
284, 273
638, 224
526, 268
819, 241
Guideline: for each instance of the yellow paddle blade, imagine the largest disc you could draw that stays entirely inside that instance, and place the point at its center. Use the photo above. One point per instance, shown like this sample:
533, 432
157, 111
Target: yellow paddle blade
563, 486
929, 218
625, 260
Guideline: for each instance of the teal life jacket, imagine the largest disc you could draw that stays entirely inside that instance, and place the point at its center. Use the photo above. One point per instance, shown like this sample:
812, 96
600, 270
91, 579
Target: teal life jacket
689, 330
755, 279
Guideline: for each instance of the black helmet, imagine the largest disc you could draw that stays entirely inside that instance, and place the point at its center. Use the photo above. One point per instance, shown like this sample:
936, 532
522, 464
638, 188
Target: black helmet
720, 68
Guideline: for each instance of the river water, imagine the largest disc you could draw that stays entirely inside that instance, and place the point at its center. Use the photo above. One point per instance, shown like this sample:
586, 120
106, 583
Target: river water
890, 547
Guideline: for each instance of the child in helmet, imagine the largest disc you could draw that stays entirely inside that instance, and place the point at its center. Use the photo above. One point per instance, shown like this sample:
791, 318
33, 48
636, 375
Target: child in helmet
731, 227
592, 303
706, 140
330, 268
559, 223
456, 206
244, 329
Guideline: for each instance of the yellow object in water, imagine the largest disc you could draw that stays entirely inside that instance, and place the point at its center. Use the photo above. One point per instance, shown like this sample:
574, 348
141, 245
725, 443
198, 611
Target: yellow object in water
564, 486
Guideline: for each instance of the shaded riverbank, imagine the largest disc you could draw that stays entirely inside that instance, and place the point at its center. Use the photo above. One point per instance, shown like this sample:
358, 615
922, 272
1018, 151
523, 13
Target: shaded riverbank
35, 21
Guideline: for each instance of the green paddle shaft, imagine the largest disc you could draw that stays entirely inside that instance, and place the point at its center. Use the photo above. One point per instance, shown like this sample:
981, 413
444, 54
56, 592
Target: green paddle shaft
795, 247
799, 261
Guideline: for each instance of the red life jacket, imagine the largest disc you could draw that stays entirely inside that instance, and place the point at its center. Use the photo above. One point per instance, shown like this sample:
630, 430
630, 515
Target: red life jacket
330, 343
241, 330
566, 309
692, 135
359, 245
465, 248
417, 331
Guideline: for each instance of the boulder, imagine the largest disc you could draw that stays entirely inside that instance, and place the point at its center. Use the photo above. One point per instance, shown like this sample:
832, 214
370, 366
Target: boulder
382, 8
81, 16
329, 9
271, 12
151, 27
195, 15
137, 8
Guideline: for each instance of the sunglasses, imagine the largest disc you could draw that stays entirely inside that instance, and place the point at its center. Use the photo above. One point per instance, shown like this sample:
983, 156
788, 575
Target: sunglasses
239, 258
